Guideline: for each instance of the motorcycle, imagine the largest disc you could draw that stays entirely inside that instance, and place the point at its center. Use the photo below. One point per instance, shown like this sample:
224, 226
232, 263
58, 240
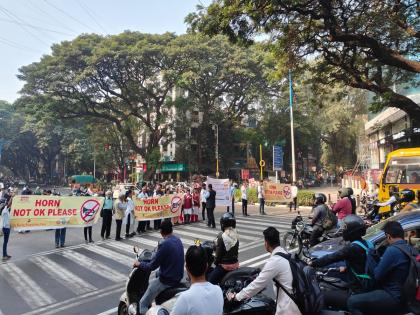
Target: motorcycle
137, 283
297, 240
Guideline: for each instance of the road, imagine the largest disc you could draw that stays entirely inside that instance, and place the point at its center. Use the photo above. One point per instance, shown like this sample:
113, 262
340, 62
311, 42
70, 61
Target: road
89, 278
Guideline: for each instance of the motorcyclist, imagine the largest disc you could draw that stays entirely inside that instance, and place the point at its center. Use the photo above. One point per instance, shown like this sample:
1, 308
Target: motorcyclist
170, 259
319, 215
407, 197
227, 246
392, 201
355, 257
343, 207
352, 200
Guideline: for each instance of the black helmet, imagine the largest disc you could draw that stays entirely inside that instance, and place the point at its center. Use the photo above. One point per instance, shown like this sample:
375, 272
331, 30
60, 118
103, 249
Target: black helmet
350, 191
353, 228
407, 195
227, 220
319, 199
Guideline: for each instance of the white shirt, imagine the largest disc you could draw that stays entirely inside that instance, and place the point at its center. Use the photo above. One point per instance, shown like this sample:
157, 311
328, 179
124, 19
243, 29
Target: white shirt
294, 191
201, 298
203, 195
388, 202
244, 193
279, 268
5, 215
260, 192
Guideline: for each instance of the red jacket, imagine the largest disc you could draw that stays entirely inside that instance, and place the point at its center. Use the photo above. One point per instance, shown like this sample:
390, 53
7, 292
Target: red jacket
342, 208
188, 202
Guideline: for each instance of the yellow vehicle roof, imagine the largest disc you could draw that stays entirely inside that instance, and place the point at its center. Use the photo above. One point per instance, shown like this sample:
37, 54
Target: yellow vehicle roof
405, 152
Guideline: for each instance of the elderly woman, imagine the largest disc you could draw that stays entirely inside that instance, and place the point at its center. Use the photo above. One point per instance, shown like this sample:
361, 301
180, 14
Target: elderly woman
106, 214
119, 208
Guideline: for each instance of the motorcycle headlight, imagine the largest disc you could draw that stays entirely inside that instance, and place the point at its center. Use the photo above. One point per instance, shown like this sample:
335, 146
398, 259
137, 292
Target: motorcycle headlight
300, 226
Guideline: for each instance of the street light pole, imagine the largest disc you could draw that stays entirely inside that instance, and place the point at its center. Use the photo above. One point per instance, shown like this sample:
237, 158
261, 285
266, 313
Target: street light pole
216, 128
292, 134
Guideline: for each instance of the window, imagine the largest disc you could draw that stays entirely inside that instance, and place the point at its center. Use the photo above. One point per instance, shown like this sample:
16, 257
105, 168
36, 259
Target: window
403, 170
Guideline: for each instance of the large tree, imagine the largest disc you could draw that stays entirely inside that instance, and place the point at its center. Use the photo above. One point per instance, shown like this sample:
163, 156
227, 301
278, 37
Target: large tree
372, 45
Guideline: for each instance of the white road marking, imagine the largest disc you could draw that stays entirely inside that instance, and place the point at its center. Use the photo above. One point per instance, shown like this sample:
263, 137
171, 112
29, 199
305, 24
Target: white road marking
121, 258
123, 246
73, 282
247, 262
94, 266
27, 289
108, 312
213, 235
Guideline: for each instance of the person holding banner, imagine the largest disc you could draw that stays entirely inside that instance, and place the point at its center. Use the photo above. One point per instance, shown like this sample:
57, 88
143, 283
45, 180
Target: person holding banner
261, 197
203, 201
158, 193
106, 214
5, 215
129, 214
120, 207
141, 227
196, 204
210, 205
188, 205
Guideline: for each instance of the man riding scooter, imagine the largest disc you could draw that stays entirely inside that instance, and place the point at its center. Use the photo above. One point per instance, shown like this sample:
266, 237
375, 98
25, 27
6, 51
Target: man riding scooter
170, 259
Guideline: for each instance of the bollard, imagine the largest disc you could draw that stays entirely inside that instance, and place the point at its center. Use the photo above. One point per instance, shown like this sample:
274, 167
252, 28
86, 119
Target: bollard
357, 200
329, 198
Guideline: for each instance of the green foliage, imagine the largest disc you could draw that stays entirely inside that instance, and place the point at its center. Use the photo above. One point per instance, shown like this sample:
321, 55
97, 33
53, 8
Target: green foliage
305, 197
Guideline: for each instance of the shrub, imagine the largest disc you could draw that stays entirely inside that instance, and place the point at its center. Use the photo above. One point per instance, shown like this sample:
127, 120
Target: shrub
305, 197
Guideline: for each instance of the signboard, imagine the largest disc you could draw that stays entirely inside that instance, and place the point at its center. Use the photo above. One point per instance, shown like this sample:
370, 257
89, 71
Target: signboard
222, 188
277, 192
277, 158
244, 174
159, 207
50, 212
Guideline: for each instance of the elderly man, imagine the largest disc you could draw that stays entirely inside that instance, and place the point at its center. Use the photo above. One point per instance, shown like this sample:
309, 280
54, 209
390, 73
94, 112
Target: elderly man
106, 215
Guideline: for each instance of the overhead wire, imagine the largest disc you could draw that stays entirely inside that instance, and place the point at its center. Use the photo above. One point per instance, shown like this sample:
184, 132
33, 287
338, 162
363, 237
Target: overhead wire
17, 45
86, 9
35, 27
17, 19
68, 15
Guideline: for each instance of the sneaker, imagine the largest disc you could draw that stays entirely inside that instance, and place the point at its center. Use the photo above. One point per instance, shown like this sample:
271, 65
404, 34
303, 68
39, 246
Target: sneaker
118, 238
103, 238
91, 241
5, 258
107, 238
127, 235
57, 246
8, 256
62, 245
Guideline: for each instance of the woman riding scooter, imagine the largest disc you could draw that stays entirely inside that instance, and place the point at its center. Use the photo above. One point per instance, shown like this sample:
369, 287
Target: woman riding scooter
227, 245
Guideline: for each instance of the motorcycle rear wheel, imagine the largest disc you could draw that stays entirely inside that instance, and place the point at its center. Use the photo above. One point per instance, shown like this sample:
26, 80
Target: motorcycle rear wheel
290, 242
122, 309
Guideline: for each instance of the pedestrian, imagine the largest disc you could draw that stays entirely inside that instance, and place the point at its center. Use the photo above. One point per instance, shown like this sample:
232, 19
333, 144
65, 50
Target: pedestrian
188, 205
261, 196
196, 205
88, 230
119, 208
210, 205
141, 227
60, 237
106, 214
244, 194
233, 189
158, 193
129, 214
5, 215
294, 191
203, 193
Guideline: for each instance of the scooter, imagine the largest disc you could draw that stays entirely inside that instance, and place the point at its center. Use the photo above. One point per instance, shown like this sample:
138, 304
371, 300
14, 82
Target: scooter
137, 284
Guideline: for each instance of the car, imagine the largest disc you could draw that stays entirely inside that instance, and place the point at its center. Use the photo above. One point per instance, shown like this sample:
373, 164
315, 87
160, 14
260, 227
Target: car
123, 187
410, 221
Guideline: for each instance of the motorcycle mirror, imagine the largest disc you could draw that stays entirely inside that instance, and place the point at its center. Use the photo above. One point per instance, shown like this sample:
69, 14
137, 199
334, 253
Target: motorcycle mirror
136, 249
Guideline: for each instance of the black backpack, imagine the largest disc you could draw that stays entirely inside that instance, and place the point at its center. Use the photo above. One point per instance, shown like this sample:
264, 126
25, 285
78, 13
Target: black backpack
306, 292
410, 290
367, 279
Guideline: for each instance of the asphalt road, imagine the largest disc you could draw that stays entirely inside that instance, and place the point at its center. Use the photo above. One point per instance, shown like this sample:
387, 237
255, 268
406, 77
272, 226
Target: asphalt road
89, 278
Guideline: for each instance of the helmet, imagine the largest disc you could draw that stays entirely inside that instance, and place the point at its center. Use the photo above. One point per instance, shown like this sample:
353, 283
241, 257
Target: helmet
319, 199
350, 191
227, 220
407, 195
344, 193
353, 227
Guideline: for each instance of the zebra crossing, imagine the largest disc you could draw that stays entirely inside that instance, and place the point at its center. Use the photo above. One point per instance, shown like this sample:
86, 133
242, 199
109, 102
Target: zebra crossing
59, 280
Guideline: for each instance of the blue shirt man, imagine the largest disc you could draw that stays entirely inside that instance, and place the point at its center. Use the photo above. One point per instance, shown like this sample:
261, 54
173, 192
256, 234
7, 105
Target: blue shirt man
170, 259
390, 275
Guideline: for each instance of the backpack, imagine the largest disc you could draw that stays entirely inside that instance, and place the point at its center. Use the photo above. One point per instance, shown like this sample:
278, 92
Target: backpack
367, 280
410, 290
330, 220
306, 292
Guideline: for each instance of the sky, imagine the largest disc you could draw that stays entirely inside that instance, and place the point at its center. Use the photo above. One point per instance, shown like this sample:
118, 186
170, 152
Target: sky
28, 28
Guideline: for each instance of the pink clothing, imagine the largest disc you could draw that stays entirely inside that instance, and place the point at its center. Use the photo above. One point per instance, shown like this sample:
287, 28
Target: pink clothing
342, 208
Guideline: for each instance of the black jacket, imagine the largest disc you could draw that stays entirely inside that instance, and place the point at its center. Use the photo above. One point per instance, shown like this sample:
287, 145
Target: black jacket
320, 211
355, 258
211, 200
223, 256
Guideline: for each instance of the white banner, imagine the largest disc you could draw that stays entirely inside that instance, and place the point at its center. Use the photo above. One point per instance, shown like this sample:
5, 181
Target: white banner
222, 188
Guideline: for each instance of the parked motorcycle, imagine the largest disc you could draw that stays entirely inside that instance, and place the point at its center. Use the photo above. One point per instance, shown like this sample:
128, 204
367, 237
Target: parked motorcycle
297, 240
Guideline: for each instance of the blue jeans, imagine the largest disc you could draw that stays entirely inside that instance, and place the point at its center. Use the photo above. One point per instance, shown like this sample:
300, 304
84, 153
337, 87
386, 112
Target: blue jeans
155, 287
217, 275
373, 302
60, 236
6, 233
